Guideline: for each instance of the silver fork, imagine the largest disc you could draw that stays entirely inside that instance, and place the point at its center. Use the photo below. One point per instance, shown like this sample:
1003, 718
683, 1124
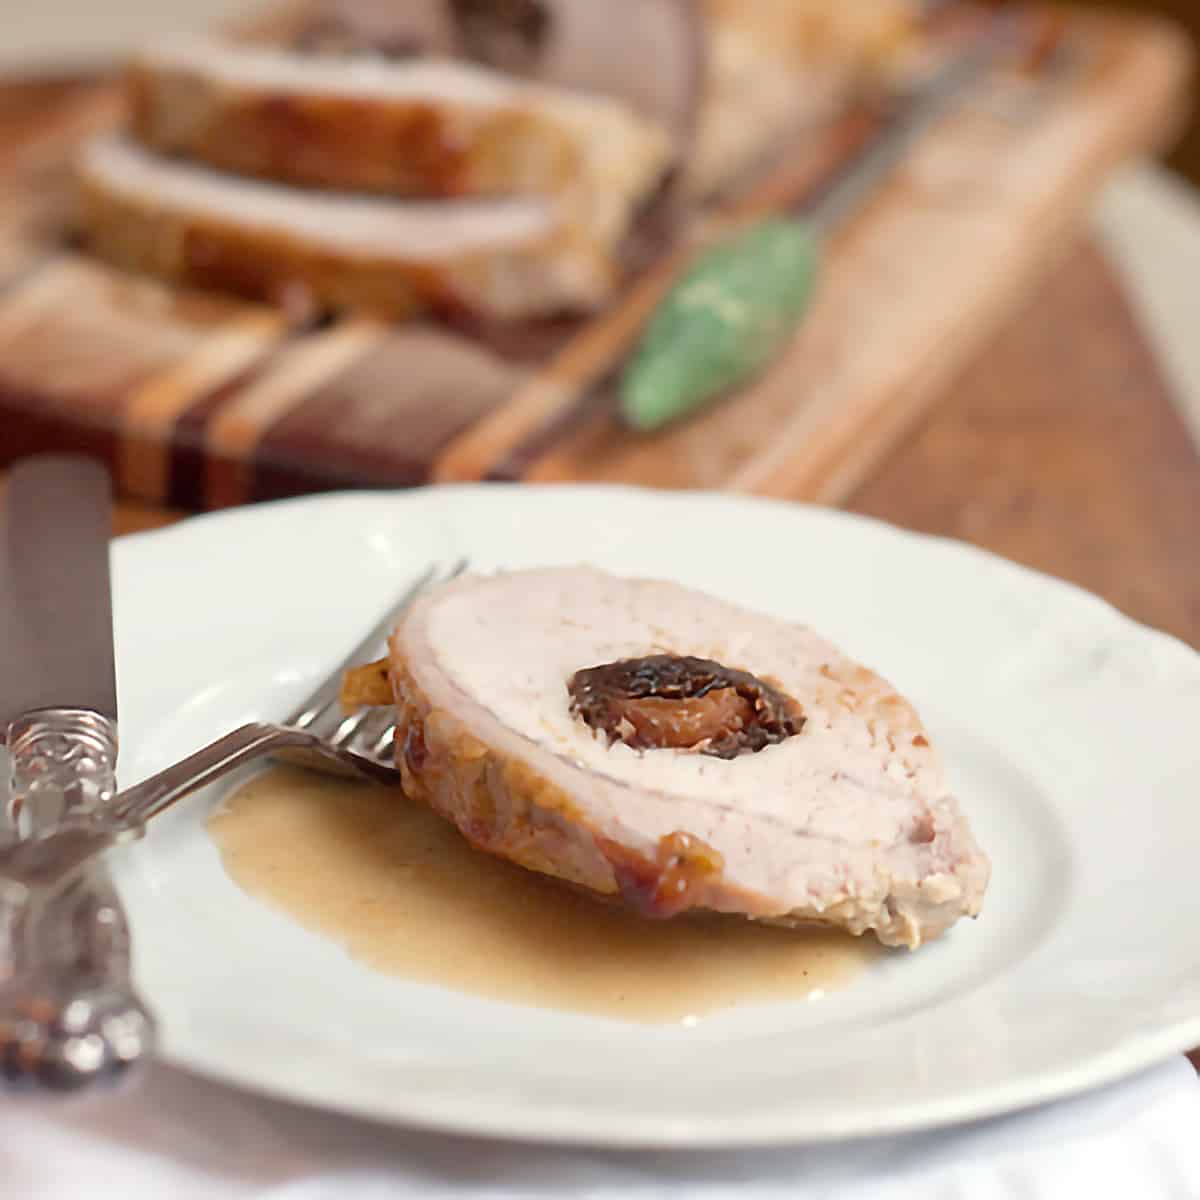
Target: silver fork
69, 1014
317, 734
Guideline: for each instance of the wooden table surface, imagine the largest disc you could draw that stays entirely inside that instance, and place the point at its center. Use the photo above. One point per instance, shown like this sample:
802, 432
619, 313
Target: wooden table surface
1060, 448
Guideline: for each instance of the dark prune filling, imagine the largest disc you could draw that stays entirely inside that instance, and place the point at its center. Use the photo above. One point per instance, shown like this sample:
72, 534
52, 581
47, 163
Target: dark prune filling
668, 701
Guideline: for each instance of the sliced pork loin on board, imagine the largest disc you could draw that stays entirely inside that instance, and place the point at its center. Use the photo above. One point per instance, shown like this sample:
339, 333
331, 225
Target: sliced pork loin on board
716, 759
414, 127
495, 259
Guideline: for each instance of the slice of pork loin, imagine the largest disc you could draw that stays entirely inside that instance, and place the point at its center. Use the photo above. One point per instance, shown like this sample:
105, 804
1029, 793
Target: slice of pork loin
427, 127
495, 259
848, 822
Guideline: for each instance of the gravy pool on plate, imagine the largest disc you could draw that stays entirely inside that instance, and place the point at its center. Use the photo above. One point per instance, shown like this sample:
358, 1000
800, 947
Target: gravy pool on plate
404, 893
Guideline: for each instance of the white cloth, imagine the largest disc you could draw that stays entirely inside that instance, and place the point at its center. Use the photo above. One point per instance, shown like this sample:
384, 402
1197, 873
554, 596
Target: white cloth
177, 1137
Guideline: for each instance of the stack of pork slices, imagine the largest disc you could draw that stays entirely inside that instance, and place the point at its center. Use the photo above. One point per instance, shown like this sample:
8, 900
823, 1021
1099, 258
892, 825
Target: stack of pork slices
478, 158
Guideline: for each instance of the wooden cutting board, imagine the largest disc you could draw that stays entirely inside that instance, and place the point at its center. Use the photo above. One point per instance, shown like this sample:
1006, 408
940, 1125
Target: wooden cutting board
204, 401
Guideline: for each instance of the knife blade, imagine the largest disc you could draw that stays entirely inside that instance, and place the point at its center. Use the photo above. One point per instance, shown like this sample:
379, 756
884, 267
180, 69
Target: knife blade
56, 641
56, 646
69, 1015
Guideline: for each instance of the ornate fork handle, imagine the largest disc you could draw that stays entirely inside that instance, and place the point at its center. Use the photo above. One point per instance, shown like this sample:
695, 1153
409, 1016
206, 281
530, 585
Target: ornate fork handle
69, 1014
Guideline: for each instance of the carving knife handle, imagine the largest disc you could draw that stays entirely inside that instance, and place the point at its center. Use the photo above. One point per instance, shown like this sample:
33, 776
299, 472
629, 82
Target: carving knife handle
70, 1016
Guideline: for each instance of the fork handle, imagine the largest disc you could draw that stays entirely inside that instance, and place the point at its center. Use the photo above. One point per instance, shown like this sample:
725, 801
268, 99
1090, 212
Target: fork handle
70, 1016
136, 805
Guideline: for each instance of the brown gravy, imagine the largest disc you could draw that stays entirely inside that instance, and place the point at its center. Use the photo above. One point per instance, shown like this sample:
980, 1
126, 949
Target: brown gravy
405, 894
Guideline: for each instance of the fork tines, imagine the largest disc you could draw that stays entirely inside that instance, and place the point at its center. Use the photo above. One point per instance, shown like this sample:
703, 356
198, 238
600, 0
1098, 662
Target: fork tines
371, 729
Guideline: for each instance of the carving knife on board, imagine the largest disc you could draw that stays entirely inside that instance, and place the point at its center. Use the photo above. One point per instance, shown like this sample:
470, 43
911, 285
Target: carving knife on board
740, 302
69, 1015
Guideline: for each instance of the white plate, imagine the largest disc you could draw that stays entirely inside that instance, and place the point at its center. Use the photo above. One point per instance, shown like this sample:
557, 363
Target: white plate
1070, 734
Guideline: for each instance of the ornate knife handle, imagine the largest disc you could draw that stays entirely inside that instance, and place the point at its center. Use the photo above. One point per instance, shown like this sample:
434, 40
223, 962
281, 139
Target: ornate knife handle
69, 1014
64, 763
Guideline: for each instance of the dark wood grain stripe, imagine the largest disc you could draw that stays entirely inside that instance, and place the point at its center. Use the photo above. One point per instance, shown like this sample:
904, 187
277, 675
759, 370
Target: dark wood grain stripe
381, 421
151, 412
235, 429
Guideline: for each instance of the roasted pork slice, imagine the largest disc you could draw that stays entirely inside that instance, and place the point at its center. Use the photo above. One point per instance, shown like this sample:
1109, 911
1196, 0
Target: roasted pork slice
416, 127
494, 259
657, 745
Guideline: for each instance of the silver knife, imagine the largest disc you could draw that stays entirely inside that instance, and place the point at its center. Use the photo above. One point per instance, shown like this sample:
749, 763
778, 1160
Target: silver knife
69, 1015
